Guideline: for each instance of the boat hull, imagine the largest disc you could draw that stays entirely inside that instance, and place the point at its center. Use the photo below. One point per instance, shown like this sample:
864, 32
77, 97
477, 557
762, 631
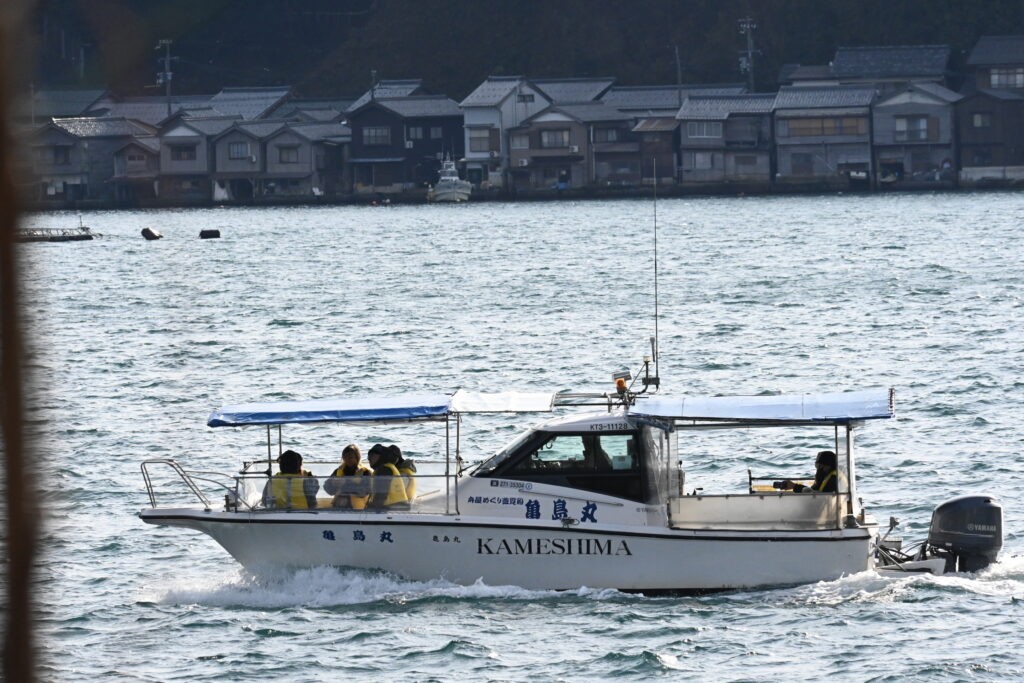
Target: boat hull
422, 548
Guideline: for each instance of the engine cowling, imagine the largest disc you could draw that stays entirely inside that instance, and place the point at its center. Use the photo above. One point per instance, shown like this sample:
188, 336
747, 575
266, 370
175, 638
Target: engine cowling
968, 532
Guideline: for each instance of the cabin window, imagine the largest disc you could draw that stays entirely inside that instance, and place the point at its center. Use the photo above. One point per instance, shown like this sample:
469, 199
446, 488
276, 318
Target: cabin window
704, 129
606, 463
553, 139
479, 140
1007, 77
376, 135
183, 152
981, 119
415, 132
238, 150
288, 155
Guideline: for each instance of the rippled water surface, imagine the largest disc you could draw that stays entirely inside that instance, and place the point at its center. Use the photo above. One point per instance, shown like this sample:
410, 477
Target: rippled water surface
138, 341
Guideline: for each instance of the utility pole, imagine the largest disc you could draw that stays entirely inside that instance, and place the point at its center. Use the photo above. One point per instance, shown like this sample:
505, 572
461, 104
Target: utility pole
164, 77
747, 28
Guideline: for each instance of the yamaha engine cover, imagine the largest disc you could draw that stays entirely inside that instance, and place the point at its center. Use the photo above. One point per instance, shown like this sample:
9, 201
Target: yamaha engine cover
968, 531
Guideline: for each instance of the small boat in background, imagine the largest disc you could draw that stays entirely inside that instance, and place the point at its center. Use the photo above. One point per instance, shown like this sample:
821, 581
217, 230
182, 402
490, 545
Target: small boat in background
79, 234
449, 187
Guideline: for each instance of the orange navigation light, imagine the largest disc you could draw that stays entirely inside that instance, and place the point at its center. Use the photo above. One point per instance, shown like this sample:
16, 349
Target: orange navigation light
620, 385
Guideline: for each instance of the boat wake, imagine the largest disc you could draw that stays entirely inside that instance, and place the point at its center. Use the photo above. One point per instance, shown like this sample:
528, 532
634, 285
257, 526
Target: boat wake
331, 586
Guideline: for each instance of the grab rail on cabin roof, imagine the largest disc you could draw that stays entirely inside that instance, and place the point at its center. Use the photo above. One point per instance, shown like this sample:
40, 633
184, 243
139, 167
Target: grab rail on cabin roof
185, 477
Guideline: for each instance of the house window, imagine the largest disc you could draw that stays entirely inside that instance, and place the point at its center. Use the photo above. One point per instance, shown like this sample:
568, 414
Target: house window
435, 132
61, 155
183, 152
911, 128
606, 134
288, 155
1007, 77
981, 120
136, 157
376, 135
524, 97
847, 125
553, 139
703, 161
238, 150
479, 140
520, 141
704, 129
802, 163
415, 132
746, 160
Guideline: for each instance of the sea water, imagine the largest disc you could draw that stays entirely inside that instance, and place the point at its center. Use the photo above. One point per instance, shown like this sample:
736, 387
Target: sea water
136, 342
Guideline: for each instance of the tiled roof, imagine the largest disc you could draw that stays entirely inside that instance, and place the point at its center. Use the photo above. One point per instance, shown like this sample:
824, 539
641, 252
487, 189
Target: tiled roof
720, 107
383, 89
812, 97
660, 124
260, 129
995, 50
148, 109
249, 103
421, 105
805, 72
999, 94
57, 103
88, 127
152, 144
315, 114
591, 112
936, 90
491, 91
321, 131
213, 125
887, 61
573, 89
288, 109
663, 97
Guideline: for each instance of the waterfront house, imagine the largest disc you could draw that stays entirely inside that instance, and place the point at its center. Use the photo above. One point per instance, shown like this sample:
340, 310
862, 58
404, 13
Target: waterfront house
398, 143
489, 112
726, 140
885, 67
654, 109
73, 158
990, 126
306, 160
136, 169
823, 137
574, 145
239, 169
186, 158
996, 63
913, 133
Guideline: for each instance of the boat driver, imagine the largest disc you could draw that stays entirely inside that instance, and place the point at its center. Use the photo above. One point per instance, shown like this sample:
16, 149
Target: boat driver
292, 487
826, 476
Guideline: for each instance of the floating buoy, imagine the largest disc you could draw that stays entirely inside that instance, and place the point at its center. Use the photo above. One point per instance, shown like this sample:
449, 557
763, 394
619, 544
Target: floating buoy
151, 234
209, 234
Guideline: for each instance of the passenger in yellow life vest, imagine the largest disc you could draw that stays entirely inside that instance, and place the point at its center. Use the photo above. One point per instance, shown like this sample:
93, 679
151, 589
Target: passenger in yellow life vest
389, 489
292, 487
407, 468
826, 476
348, 484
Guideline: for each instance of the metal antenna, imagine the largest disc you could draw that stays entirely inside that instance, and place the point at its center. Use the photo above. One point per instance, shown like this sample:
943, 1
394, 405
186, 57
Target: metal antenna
655, 349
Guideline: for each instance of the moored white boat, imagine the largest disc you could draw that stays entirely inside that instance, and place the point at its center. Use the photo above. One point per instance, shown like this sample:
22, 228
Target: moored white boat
594, 498
449, 187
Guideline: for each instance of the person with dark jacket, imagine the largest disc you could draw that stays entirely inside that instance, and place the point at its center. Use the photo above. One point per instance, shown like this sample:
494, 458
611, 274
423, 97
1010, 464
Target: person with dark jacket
389, 490
826, 476
292, 488
347, 483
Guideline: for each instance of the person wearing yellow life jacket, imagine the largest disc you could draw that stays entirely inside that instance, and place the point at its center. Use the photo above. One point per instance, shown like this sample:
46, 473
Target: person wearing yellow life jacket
292, 488
347, 483
826, 476
389, 489
407, 468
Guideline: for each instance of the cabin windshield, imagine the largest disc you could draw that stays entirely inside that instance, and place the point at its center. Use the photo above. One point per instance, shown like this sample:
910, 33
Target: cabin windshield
488, 466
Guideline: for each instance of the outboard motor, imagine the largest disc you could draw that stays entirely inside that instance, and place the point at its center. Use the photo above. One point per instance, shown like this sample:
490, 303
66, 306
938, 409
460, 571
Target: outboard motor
968, 532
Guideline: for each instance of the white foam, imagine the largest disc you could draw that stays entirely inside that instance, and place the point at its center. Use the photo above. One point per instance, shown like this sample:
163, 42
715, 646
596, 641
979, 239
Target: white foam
329, 586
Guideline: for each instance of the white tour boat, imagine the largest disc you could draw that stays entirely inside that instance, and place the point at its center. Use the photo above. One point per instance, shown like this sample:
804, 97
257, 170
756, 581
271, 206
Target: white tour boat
449, 186
595, 498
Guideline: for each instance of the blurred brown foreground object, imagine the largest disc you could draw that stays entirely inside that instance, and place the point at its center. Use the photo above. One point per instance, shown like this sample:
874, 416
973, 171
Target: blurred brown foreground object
19, 651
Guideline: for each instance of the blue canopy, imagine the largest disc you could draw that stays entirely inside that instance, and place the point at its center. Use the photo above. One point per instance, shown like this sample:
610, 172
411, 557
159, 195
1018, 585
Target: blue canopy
827, 408
409, 407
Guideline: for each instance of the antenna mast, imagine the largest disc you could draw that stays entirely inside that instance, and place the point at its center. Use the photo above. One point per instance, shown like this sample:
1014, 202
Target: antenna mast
654, 342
